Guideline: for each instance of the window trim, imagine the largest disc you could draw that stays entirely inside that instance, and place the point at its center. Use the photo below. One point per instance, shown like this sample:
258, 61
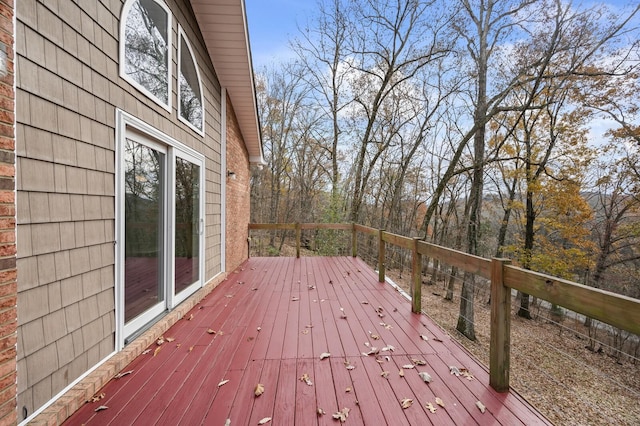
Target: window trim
122, 47
183, 36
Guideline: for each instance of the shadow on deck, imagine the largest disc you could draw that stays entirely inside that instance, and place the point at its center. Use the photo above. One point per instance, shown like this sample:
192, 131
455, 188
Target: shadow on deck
269, 322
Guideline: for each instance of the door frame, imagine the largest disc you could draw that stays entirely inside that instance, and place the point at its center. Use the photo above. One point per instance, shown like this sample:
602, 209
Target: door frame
127, 124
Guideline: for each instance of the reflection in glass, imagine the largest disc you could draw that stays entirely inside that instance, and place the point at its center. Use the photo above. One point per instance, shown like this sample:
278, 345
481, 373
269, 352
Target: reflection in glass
146, 51
187, 223
190, 95
144, 218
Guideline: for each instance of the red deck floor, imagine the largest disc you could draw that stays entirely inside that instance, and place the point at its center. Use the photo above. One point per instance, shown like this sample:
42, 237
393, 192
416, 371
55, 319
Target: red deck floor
273, 318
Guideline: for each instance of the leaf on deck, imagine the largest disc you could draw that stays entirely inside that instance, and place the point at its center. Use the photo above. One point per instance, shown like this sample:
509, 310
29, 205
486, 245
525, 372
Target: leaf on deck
324, 355
264, 421
305, 378
259, 389
430, 407
224, 382
100, 408
481, 407
342, 414
406, 403
124, 373
425, 376
439, 401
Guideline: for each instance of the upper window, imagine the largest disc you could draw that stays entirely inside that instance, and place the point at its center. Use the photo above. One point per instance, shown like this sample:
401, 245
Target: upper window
145, 48
190, 105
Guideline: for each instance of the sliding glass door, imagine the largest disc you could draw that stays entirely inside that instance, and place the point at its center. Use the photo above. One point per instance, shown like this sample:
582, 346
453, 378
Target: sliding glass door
188, 227
161, 228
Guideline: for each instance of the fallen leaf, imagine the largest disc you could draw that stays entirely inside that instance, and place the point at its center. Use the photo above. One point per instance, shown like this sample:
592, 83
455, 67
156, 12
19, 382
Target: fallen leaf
430, 407
364, 302
481, 407
439, 401
324, 355
466, 374
124, 373
170, 339
454, 370
388, 348
348, 389
312, 287
401, 372
97, 398
373, 351
264, 421
423, 337
224, 382
305, 332
385, 374
342, 414
146, 352
408, 366
425, 376
100, 408
305, 378
220, 333
190, 348
259, 390
190, 317
350, 367
229, 296
259, 328
211, 331
157, 350
418, 362
295, 299
375, 337
160, 341
321, 412
406, 403
437, 339
309, 326
227, 423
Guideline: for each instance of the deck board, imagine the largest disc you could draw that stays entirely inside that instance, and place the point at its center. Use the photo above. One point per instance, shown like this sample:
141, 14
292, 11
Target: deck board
179, 385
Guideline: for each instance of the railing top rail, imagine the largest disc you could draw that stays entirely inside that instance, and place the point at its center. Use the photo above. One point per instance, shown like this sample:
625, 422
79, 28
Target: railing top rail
465, 261
615, 309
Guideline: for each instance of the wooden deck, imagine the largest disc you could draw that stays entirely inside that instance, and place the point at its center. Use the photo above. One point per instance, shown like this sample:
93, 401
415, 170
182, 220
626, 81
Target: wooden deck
273, 319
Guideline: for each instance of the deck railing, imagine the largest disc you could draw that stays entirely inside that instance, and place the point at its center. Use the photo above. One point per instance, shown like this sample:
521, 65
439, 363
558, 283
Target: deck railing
617, 310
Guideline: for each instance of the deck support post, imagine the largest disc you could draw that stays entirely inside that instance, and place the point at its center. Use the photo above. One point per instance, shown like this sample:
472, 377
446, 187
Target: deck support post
381, 255
297, 240
416, 278
499, 353
354, 240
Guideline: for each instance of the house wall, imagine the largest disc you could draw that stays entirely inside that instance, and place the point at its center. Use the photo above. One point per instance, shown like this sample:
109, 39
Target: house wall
237, 194
68, 89
8, 286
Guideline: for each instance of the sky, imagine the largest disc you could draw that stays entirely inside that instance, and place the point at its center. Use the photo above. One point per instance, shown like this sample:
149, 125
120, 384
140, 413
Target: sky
271, 24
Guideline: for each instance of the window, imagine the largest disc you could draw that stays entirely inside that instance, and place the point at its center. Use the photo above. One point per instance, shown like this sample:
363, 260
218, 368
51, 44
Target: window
145, 48
190, 105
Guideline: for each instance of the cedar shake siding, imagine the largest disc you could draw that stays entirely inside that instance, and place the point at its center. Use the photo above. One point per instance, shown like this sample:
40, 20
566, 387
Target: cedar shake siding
8, 273
69, 95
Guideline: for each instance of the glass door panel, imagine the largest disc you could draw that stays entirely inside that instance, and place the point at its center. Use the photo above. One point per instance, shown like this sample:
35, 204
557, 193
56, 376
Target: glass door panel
187, 225
144, 264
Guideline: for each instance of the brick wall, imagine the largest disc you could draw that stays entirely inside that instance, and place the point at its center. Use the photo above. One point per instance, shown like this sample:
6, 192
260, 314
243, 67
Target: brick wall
237, 199
8, 274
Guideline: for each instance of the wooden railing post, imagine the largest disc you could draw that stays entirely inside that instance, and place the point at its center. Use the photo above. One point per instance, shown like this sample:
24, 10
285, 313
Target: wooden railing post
499, 352
298, 240
416, 278
354, 240
381, 255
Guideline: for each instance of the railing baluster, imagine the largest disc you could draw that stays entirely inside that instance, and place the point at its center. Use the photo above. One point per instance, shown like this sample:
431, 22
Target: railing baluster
500, 347
416, 278
298, 240
381, 255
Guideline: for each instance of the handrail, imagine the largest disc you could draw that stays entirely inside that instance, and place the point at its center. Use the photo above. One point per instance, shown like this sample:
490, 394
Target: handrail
617, 310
